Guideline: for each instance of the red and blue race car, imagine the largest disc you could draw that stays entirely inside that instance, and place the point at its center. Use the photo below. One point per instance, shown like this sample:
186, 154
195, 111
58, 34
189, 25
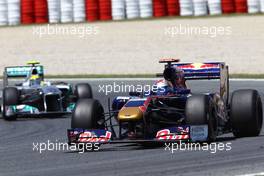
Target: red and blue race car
172, 113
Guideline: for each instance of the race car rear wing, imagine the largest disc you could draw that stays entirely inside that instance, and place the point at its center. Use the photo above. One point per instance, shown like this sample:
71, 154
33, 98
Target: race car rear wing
207, 70
20, 72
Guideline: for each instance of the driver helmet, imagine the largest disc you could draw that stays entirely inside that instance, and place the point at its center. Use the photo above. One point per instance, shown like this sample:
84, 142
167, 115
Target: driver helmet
35, 77
175, 76
34, 74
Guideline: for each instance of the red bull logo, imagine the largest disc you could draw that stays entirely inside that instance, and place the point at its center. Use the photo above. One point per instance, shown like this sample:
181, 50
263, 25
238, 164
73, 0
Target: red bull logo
167, 135
89, 137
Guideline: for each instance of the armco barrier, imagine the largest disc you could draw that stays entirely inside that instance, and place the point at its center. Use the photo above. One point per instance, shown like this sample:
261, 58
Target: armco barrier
14, 12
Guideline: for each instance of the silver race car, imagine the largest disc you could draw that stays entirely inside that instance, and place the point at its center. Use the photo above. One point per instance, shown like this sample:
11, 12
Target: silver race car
36, 97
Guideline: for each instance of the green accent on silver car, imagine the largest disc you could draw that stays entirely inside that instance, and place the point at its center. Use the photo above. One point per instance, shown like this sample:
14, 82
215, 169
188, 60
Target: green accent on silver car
22, 70
14, 109
26, 108
71, 107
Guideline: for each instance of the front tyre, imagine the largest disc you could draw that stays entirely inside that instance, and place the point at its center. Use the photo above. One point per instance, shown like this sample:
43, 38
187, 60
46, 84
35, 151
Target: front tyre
10, 98
246, 113
88, 114
83, 91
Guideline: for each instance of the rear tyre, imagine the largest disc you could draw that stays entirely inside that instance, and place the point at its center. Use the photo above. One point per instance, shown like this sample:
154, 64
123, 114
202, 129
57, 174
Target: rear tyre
10, 98
83, 91
88, 114
199, 110
246, 113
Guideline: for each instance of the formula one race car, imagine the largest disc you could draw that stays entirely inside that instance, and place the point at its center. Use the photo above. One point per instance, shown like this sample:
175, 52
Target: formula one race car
173, 114
35, 97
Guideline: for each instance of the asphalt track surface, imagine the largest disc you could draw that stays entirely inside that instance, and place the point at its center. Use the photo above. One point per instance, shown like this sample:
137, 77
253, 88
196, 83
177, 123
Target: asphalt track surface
17, 156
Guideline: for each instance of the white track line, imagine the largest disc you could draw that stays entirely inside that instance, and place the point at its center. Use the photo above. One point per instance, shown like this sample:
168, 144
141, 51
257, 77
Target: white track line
253, 174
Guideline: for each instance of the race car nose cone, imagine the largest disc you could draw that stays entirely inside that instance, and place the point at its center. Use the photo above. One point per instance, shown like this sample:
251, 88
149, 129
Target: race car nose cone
130, 114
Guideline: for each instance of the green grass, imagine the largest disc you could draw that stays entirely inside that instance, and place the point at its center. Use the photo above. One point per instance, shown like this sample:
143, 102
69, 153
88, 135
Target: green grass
241, 76
103, 76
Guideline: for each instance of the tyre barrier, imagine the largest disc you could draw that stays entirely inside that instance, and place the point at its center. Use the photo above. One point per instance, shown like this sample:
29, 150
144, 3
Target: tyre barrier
92, 10
15, 12
78, 10
105, 10
228, 6
241, 6
118, 9
145, 8
13, 7
173, 7
132, 9
186, 7
214, 7
200, 7
66, 11
54, 11
27, 12
262, 6
41, 11
3, 13
159, 8
253, 6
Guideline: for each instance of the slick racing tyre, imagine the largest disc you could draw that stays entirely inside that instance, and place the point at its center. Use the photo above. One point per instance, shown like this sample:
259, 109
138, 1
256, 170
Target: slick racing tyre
10, 98
83, 91
246, 113
199, 110
88, 114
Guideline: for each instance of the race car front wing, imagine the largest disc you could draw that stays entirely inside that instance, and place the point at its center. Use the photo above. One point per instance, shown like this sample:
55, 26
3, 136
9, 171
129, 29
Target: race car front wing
193, 133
